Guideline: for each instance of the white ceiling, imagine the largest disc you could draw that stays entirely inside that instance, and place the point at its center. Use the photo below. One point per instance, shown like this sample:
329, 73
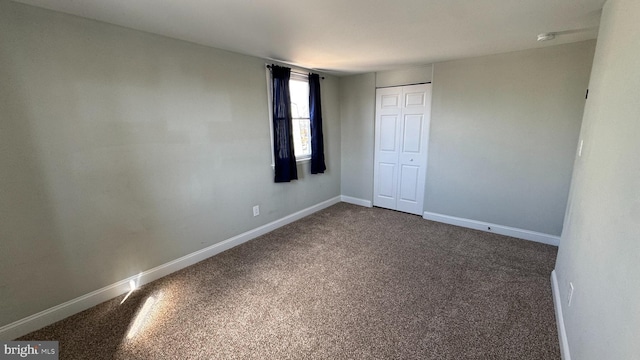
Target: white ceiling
350, 36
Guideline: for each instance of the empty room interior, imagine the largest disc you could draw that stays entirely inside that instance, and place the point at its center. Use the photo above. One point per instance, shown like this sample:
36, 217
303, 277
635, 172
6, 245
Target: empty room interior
415, 179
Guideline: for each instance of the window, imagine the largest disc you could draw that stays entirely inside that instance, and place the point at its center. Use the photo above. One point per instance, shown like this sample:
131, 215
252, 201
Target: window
299, 92
300, 114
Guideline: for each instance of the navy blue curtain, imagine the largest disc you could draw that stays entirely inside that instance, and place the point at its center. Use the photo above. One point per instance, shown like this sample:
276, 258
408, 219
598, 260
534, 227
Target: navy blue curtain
284, 155
315, 117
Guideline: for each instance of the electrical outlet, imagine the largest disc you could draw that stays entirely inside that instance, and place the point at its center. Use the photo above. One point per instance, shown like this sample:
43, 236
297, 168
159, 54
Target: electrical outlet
570, 297
256, 210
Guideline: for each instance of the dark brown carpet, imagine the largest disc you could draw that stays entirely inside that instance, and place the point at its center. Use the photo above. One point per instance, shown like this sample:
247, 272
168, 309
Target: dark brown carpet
345, 283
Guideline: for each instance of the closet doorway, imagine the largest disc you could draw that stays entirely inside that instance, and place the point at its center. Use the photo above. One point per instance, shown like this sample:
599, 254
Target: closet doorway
403, 115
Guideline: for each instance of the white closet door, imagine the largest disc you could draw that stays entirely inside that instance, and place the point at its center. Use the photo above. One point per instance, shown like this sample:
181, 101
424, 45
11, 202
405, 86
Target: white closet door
401, 145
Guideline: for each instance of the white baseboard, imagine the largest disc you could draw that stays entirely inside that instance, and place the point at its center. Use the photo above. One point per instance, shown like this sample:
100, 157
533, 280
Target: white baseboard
494, 228
355, 201
562, 332
59, 312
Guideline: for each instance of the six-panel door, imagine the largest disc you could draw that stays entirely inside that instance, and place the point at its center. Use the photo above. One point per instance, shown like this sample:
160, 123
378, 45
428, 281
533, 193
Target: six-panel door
401, 145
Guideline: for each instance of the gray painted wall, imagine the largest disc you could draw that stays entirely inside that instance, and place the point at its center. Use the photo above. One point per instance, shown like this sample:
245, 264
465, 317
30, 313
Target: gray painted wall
600, 247
405, 76
357, 110
122, 150
504, 130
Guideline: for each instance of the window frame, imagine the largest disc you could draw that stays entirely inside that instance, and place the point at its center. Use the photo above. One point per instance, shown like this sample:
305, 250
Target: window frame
295, 76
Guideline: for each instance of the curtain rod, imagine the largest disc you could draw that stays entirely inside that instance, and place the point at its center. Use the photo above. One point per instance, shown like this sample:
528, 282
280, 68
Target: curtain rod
296, 72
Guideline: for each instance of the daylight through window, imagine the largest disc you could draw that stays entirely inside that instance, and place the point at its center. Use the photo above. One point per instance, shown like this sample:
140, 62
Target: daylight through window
299, 91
